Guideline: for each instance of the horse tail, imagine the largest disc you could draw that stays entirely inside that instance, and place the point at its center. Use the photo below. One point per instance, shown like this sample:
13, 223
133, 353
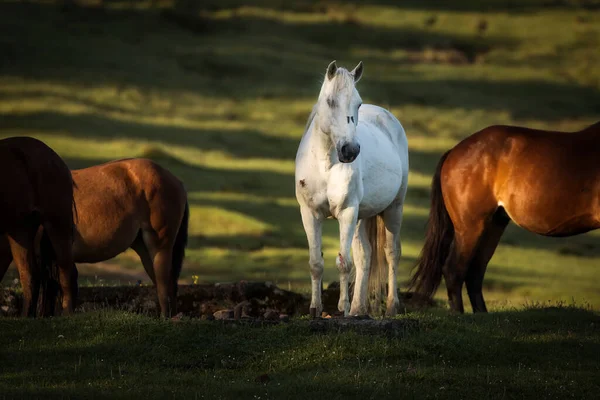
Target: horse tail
378, 267
179, 247
438, 240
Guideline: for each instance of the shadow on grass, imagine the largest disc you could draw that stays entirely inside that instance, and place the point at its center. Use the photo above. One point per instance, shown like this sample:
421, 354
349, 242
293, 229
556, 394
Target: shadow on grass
513, 352
247, 57
510, 6
245, 143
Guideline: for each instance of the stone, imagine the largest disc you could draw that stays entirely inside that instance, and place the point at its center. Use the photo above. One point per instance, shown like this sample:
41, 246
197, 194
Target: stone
223, 314
284, 318
241, 310
271, 315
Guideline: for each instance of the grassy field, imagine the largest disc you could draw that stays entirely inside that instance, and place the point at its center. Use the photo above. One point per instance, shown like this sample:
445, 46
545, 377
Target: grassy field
537, 353
220, 93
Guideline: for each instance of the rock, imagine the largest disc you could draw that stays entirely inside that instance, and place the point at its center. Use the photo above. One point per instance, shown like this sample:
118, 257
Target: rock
205, 309
177, 318
284, 318
223, 314
242, 310
271, 315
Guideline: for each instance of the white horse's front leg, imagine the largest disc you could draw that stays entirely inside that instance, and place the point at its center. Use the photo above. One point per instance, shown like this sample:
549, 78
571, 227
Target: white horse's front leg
347, 219
312, 227
361, 254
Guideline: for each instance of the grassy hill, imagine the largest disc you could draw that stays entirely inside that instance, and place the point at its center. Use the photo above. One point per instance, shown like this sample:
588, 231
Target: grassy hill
219, 93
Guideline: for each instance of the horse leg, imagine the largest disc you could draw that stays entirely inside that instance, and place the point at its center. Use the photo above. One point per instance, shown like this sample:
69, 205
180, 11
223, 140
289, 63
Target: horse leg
348, 219
313, 229
392, 218
164, 287
361, 254
157, 261
455, 269
140, 248
22, 248
62, 243
485, 251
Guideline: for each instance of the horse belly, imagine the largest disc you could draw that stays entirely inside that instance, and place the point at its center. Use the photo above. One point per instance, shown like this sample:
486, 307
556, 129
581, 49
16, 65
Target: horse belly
382, 182
102, 241
378, 196
556, 219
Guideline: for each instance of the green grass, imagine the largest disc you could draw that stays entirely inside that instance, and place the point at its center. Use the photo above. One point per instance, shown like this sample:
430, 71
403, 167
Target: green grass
549, 353
220, 94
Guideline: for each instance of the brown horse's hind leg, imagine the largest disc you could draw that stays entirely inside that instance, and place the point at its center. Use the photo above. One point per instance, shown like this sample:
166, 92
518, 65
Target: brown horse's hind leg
485, 251
62, 243
455, 269
21, 244
164, 286
158, 264
140, 248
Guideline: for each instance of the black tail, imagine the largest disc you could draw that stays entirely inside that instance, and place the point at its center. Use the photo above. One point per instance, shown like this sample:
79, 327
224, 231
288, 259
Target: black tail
179, 246
438, 239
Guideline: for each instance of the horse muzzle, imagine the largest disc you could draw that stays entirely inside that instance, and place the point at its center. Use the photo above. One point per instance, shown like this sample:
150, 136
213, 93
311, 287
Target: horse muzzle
348, 152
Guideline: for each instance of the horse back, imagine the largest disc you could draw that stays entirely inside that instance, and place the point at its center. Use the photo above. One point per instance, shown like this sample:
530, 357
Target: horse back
546, 181
384, 122
135, 185
36, 179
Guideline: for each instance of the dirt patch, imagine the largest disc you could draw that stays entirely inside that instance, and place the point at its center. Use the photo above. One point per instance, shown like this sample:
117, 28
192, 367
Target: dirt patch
254, 300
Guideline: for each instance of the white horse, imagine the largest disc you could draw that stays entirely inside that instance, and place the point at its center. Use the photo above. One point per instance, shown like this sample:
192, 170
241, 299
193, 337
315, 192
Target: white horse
352, 165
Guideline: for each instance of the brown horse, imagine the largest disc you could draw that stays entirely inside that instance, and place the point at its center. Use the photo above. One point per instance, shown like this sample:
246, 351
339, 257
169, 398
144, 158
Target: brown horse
133, 203
546, 182
36, 188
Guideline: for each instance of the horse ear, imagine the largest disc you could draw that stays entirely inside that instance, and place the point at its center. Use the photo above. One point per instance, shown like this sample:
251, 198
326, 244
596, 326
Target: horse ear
331, 70
357, 72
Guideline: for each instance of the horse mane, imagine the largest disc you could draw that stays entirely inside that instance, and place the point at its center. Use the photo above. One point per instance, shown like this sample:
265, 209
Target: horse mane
310, 119
344, 80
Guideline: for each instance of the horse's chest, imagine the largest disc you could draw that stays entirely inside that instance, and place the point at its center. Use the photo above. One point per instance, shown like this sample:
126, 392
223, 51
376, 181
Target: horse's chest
313, 193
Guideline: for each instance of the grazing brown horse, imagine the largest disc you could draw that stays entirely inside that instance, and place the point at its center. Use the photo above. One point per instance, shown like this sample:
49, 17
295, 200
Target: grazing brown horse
546, 182
36, 188
132, 203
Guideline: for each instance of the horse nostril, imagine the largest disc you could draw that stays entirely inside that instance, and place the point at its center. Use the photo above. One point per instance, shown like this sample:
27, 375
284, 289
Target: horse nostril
345, 150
